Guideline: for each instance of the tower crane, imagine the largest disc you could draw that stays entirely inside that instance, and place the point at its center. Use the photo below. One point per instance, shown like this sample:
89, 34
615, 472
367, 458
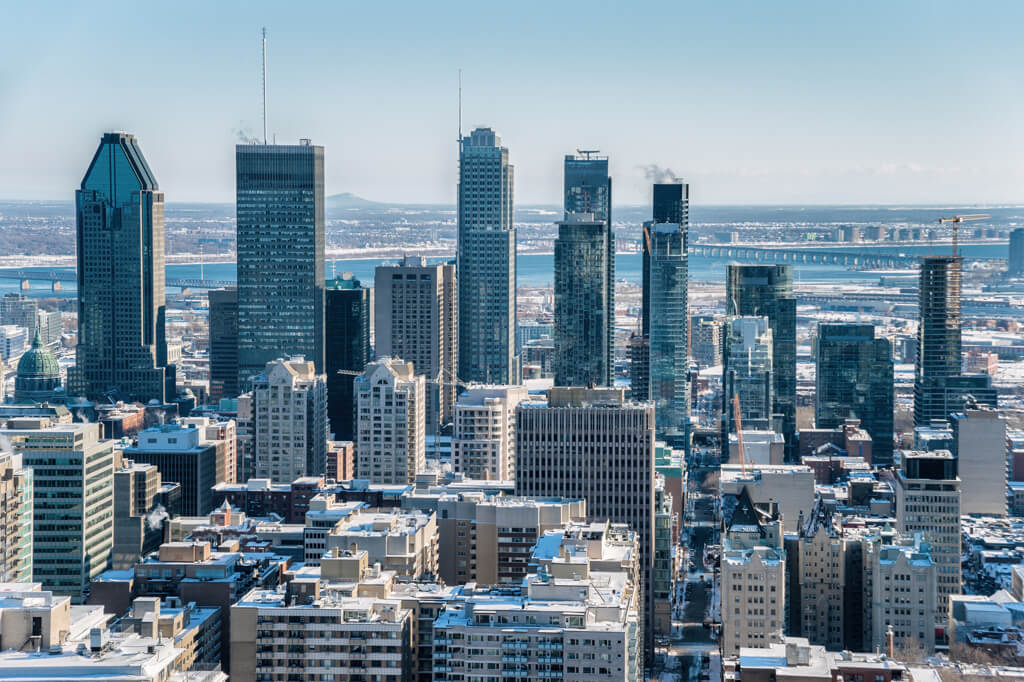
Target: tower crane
956, 220
739, 433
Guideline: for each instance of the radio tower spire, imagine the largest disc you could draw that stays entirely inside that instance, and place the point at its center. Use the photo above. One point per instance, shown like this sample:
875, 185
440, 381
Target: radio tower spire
264, 83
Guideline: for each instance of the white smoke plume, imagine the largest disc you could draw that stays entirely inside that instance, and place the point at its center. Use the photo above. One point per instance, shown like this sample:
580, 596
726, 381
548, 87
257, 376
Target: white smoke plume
656, 174
156, 516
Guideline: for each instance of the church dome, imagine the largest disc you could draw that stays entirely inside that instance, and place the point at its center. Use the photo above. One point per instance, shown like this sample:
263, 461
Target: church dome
37, 362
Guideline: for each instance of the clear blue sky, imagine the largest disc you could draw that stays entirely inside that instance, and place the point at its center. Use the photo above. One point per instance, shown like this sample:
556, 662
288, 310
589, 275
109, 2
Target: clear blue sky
751, 102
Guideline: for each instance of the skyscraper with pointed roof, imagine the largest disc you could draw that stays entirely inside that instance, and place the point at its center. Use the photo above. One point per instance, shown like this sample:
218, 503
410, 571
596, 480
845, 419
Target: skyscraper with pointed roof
122, 350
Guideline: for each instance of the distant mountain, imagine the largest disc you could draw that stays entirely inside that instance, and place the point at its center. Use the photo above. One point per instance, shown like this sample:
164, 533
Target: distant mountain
348, 200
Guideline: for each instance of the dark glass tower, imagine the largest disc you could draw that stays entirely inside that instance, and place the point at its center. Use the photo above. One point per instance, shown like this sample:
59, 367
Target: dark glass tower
280, 211
855, 380
671, 203
348, 348
122, 351
938, 336
767, 290
588, 189
224, 343
583, 355
486, 268
1015, 260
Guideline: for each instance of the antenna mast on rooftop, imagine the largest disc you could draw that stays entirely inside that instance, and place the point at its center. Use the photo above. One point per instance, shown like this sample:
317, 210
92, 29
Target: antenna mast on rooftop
264, 84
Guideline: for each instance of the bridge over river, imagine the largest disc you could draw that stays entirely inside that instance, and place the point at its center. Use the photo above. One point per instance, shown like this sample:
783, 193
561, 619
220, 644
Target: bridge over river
867, 259
56, 278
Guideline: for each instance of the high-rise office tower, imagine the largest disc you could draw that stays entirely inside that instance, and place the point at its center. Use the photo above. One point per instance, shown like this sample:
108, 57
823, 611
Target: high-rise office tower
415, 319
348, 348
938, 336
280, 217
588, 189
583, 321
747, 374
671, 203
767, 290
183, 455
223, 325
596, 445
486, 262
288, 421
390, 424
73, 471
667, 288
928, 501
855, 380
122, 350
1015, 256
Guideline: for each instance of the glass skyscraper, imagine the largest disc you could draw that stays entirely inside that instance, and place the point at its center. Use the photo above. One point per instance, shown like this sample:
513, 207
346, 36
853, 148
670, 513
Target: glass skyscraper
767, 290
747, 373
223, 326
855, 380
668, 376
588, 189
122, 350
486, 268
671, 204
348, 329
280, 217
583, 355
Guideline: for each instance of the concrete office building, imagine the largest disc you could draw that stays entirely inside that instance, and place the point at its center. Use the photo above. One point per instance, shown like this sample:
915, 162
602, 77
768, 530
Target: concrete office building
138, 517
747, 374
223, 432
484, 438
855, 380
584, 341
488, 539
938, 336
184, 457
280, 218
73, 531
596, 445
390, 422
767, 291
578, 617
928, 502
979, 444
668, 265
587, 188
289, 421
223, 325
122, 348
19, 310
486, 262
415, 318
348, 306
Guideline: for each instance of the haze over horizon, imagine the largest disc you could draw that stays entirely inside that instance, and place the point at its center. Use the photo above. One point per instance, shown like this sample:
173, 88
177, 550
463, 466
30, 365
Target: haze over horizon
915, 104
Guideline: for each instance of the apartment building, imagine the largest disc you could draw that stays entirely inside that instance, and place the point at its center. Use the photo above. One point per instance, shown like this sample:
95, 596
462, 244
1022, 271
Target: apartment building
484, 439
390, 422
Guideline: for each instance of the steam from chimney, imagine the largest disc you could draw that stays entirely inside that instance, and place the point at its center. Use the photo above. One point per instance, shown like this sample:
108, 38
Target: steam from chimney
156, 516
656, 174
244, 134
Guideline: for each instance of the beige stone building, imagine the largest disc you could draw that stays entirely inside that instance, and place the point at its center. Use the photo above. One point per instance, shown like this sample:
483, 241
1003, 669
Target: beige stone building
399, 540
484, 438
390, 422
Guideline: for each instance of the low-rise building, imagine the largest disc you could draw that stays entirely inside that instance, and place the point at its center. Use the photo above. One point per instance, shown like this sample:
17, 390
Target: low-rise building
403, 541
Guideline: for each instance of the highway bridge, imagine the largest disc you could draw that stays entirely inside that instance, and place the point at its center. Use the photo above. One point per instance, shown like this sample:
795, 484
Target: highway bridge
863, 260
58, 277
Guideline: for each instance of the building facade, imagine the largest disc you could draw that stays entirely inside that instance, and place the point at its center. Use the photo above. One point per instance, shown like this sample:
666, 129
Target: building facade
486, 262
767, 291
184, 457
390, 422
747, 374
415, 318
280, 219
668, 264
855, 380
288, 421
347, 323
223, 326
484, 438
17, 500
122, 348
584, 344
979, 444
938, 336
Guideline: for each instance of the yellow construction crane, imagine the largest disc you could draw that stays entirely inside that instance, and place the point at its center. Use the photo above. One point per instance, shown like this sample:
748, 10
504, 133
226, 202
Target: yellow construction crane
956, 220
739, 433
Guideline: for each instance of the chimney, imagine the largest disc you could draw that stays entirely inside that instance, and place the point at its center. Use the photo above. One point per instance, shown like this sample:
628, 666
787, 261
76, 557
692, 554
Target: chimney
890, 643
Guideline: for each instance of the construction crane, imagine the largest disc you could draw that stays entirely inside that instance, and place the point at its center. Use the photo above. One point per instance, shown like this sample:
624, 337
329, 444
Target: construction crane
739, 433
956, 220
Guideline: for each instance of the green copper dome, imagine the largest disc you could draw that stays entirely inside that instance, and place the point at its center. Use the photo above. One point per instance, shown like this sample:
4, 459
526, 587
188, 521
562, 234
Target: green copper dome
38, 362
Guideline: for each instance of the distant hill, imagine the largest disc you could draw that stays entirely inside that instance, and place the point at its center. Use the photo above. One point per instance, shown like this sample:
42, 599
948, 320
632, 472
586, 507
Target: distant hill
348, 200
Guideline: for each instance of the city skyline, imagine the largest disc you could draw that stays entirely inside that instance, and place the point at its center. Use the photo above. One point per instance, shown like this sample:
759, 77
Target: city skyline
772, 106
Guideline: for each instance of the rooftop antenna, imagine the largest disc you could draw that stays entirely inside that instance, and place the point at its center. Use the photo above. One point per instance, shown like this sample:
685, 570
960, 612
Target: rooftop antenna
264, 83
